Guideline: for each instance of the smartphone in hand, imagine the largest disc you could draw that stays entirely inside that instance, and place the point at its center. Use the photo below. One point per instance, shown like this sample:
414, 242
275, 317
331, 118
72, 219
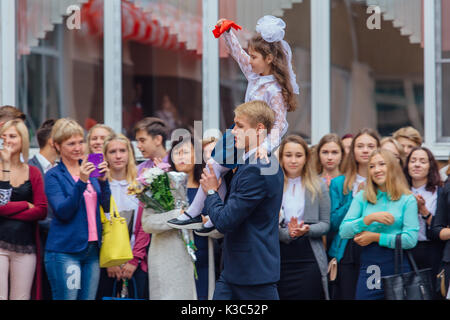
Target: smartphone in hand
96, 159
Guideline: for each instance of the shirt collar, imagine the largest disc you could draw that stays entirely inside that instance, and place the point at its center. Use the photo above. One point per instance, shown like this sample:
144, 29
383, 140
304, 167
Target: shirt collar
250, 153
45, 164
122, 183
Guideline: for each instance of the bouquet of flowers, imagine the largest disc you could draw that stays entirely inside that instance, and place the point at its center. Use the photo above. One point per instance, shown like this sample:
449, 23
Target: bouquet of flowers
162, 191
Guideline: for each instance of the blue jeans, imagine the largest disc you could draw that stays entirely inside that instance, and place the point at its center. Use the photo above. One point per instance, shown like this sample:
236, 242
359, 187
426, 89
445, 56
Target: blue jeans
74, 276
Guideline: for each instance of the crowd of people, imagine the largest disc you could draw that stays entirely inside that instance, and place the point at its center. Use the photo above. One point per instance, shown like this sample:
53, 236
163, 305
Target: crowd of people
323, 225
338, 207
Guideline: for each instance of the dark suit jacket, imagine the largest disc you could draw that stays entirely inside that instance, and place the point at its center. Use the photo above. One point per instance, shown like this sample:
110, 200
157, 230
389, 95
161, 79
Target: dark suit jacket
249, 221
441, 219
44, 224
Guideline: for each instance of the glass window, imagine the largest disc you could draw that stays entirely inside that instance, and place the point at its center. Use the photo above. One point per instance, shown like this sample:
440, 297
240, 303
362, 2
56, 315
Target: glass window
443, 72
377, 67
162, 62
233, 85
60, 61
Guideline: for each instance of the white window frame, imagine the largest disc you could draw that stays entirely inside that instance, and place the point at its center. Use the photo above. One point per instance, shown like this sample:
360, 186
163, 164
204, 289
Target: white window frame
432, 80
8, 88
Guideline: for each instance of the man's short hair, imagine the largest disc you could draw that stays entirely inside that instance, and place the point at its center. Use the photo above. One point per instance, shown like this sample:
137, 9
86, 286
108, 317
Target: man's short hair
8, 113
154, 127
44, 133
409, 133
257, 112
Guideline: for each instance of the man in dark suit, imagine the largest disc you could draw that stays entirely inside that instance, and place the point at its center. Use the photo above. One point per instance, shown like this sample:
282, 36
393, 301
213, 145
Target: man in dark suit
44, 161
249, 217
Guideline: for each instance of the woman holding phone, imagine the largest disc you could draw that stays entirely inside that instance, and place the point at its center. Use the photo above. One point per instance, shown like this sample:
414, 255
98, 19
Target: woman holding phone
74, 239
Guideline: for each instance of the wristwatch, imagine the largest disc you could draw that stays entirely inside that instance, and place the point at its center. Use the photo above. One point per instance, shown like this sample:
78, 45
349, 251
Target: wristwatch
426, 217
211, 192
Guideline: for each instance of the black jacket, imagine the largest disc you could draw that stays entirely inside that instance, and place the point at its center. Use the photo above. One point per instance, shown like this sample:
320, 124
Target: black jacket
441, 219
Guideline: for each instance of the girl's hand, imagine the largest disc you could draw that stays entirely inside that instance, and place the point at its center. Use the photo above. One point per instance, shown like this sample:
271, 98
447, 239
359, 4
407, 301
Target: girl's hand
86, 169
261, 153
5, 155
381, 217
128, 271
421, 204
104, 169
365, 238
297, 229
361, 186
220, 22
114, 272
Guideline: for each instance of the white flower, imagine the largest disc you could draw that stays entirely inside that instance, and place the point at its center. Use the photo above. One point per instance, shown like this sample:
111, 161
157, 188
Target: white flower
151, 174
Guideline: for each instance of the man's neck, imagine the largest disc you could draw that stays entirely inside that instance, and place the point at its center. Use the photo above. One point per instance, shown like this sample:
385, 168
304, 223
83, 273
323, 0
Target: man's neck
160, 153
49, 155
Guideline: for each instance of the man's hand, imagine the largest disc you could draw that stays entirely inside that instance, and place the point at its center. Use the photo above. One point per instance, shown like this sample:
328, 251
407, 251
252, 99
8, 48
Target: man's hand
208, 180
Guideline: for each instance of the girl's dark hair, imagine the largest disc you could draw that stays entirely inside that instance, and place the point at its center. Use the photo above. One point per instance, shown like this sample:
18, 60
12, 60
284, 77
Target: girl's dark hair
198, 168
279, 67
433, 177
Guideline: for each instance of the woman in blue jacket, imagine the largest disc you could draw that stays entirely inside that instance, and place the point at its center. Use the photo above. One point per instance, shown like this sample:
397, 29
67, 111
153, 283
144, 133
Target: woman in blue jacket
376, 216
74, 239
342, 191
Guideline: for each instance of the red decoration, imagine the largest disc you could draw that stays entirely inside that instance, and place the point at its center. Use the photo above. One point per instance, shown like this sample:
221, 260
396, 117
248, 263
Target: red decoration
226, 25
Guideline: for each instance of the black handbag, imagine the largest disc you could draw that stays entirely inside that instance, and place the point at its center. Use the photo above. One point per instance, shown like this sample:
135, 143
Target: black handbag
414, 285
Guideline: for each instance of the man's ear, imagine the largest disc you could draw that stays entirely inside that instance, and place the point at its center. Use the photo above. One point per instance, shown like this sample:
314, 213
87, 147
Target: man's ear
158, 140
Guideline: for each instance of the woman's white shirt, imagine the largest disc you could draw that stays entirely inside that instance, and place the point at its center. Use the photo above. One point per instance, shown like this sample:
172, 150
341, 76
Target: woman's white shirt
294, 200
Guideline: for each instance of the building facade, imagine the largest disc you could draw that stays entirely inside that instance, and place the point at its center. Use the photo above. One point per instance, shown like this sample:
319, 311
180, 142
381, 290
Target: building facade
382, 64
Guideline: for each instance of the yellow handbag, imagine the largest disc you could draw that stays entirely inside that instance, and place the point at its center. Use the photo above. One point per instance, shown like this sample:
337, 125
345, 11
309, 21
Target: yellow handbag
116, 248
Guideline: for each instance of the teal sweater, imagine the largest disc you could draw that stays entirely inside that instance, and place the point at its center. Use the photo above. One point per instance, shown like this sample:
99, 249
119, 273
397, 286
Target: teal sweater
340, 204
404, 211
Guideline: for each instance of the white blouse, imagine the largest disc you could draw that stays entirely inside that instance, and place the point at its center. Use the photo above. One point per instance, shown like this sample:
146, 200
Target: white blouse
430, 203
359, 179
294, 200
124, 201
265, 88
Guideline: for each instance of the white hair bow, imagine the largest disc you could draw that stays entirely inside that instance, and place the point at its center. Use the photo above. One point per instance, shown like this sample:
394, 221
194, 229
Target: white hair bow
272, 30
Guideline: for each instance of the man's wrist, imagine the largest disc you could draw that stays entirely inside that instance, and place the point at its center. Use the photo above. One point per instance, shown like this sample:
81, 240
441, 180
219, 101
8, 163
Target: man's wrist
211, 191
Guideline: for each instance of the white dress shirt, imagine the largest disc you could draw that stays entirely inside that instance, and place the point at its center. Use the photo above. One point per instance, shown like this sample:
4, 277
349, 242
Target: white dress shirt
430, 203
294, 200
45, 164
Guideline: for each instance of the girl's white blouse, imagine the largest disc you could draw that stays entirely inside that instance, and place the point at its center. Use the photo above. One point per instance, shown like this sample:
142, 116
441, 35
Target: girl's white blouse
265, 88
294, 200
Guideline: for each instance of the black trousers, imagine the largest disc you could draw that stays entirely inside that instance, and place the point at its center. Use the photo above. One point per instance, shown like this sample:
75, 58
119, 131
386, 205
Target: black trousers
344, 287
228, 291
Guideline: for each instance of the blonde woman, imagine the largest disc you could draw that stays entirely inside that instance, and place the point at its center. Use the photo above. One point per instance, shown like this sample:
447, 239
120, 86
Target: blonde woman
384, 209
119, 155
19, 233
97, 136
342, 191
304, 219
75, 235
